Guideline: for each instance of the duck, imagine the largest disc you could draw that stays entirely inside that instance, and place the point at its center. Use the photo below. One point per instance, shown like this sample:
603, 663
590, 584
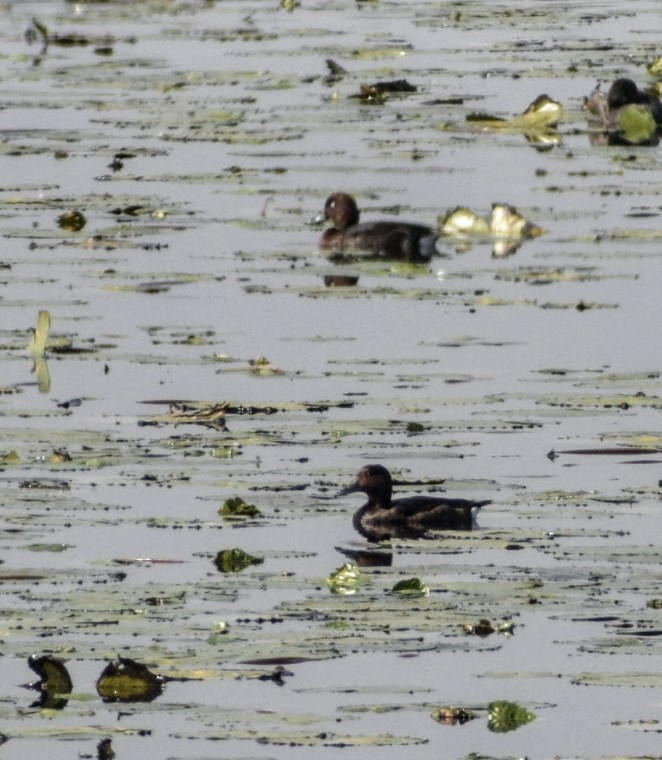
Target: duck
383, 517
622, 92
380, 239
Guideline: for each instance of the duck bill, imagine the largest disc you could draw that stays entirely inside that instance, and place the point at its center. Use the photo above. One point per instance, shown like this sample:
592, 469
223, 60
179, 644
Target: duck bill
349, 489
318, 218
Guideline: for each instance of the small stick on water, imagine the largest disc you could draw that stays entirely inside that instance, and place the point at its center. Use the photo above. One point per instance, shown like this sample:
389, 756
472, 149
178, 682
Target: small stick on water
263, 213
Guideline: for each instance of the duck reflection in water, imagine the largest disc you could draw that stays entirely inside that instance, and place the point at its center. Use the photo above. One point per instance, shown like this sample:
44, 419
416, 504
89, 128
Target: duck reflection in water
383, 517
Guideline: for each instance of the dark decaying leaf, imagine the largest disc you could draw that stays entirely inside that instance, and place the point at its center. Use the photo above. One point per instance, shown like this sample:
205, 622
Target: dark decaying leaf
105, 750
128, 681
72, 221
452, 716
55, 682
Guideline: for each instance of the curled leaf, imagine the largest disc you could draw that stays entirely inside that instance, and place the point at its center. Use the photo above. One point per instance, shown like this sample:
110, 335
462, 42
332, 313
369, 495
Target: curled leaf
462, 221
506, 227
506, 716
55, 681
128, 681
345, 580
507, 222
411, 587
541, 114
39, 336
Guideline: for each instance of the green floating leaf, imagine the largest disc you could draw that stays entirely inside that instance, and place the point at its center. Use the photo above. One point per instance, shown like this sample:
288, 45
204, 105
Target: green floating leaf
237, 508
411, 587
235, 560
345, 580
128, 681
636, 124
53, 548
506, 716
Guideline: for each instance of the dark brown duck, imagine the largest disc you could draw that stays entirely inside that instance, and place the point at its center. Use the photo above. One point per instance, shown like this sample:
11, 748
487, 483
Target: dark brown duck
380, 239
383, 517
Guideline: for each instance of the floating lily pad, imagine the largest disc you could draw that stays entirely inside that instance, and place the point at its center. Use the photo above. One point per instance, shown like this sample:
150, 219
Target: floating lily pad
636, 124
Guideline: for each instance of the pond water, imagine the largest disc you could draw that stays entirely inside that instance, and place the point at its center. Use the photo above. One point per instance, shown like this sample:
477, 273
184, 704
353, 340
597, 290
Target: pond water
199, 140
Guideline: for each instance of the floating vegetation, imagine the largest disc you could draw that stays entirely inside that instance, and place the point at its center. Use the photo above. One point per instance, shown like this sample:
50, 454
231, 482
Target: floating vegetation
538, 121
378, 93
410, 587
39, 336
506, 227
235, 560
453, 716
54, 682
636, 125
345, 581
263, 367
485, 628
236, 508
72, 221
211, 415
654, 68
506, 716
105, 750
128, 681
